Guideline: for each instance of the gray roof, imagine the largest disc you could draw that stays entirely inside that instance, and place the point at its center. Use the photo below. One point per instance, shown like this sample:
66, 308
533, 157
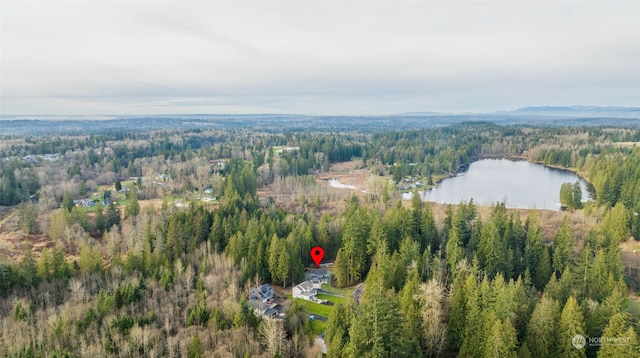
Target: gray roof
319, 273
263, 292
259, 305
306, 286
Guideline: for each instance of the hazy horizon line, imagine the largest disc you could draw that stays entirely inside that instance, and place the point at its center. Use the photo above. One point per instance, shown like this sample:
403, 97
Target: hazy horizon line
407, 113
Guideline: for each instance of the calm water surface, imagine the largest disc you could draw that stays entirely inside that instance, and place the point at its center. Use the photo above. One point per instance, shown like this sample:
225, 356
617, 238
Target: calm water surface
519, 184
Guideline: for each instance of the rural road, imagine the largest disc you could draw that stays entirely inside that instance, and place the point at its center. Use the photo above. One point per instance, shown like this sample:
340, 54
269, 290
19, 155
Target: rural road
358, 292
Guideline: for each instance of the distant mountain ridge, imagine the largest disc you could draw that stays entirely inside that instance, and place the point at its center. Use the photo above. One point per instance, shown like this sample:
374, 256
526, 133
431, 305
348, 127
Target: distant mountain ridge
546, 111
579, 111
578, 108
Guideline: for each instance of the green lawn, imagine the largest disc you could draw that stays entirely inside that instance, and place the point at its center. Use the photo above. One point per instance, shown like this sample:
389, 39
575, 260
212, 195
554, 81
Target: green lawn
314, 308
83, 209
340, 291
331, 298
317, 326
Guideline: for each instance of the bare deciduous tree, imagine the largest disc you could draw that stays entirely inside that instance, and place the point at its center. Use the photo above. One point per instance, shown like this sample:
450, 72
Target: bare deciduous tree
431, 296
274, 336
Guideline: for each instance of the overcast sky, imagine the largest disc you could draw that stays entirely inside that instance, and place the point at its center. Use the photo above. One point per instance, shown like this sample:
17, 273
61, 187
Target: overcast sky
167, 57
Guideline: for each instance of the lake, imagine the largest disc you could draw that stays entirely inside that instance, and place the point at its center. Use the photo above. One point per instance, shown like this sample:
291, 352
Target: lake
520, 184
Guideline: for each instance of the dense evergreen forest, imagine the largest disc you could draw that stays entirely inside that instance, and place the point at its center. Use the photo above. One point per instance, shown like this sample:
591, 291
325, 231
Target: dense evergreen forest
139, 275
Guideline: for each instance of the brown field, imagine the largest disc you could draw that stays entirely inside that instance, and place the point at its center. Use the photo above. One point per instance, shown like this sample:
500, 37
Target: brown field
287, 192
11, 244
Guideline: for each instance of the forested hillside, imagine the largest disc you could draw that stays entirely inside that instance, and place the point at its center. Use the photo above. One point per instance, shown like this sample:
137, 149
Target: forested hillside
132, 244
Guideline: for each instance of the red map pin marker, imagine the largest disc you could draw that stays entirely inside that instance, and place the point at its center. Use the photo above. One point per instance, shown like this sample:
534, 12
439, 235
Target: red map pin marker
317, 254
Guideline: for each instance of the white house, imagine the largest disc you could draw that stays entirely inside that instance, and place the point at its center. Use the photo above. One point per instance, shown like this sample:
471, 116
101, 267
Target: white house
305, 291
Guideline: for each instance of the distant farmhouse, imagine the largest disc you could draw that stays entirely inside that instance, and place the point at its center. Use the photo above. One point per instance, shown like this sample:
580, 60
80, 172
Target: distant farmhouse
88, 203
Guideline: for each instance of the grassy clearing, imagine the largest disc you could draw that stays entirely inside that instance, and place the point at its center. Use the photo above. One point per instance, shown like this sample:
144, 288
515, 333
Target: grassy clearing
314, 308
87, 210
317, 327
340, 291
331, 298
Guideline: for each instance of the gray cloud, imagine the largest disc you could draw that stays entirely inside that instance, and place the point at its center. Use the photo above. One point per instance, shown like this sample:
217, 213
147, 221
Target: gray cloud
315, 57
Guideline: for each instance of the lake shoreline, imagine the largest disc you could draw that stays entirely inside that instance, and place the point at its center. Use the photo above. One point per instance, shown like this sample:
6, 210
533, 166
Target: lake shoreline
506, 176
461, 168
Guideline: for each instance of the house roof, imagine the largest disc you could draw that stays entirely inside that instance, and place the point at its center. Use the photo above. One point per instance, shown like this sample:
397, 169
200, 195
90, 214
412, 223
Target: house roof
307, 294
259, 305
319, 273
263, 292
305, 286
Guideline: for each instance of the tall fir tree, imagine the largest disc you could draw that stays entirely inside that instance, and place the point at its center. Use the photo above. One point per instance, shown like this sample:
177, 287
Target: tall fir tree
429, 230
472, 338
534, 250
571, 324
28, 266
67, 201
340, 269
337, 329
563, 247
410, 309
492, 250
454, 250
375, 327
380, 273
133, 207
377, 237
354, 248
576, 195
566, 193
501, 341
619, 339
542, 338
458, 311
543, 270
616, 224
